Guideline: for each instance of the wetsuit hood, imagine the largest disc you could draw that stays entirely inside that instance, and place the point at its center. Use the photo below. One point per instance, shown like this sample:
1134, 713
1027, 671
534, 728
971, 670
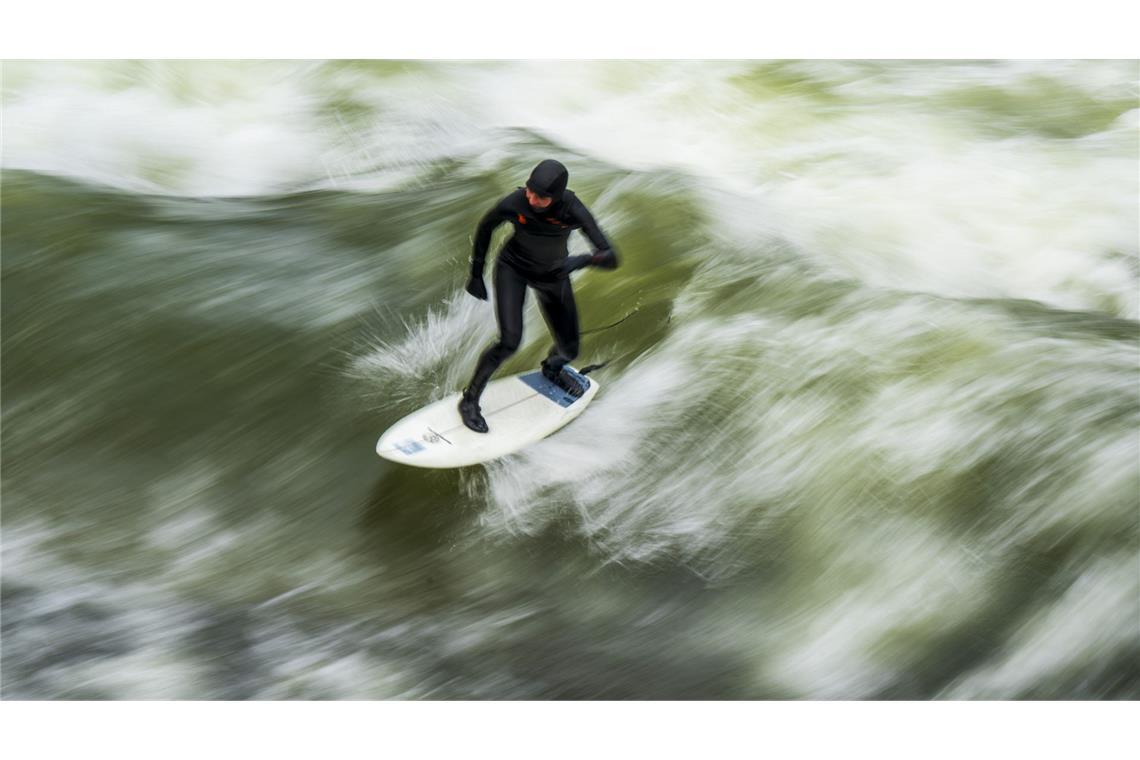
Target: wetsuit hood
549, 178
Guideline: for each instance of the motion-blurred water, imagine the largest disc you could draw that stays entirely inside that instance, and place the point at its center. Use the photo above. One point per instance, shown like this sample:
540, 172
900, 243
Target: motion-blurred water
871, 429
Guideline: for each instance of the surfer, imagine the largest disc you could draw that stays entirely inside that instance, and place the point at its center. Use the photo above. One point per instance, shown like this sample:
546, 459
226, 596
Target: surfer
543, 214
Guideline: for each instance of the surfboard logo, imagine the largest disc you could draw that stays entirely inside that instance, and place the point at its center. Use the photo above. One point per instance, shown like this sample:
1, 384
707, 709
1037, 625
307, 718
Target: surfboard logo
410, 447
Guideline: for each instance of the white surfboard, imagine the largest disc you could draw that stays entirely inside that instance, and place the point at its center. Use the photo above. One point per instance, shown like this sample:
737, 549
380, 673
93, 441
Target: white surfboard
519, 410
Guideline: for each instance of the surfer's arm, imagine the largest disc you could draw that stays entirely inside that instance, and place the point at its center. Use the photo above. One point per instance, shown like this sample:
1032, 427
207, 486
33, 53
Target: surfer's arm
492, 219
603, 255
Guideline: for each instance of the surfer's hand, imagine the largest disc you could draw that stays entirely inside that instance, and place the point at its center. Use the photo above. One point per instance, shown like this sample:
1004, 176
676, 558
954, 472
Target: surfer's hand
606, 259
572, 263
476, 288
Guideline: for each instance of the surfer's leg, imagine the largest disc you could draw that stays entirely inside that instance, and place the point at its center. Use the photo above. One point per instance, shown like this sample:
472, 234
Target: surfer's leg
510, 293
556, 301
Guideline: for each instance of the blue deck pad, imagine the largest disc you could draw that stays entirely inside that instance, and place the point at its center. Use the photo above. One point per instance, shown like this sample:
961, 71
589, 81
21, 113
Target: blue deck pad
538, 381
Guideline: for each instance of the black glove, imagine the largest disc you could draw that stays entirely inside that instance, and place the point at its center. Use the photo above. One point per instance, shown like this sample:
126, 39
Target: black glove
606, 259
476, 287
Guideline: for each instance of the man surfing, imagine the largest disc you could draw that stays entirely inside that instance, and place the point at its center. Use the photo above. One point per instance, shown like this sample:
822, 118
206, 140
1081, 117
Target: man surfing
543, 214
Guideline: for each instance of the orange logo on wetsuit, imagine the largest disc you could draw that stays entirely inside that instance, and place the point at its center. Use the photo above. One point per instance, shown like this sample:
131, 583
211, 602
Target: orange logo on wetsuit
548, 220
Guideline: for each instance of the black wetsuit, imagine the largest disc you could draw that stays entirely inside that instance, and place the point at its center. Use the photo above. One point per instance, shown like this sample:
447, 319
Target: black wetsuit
536, 256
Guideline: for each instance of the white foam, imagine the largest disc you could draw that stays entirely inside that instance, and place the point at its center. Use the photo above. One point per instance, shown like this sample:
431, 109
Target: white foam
1098, 616
705, 444
145, 623
192, 129
831, 644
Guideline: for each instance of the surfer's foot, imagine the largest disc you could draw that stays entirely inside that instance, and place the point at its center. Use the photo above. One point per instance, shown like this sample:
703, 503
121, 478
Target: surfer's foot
565, 380
469, 411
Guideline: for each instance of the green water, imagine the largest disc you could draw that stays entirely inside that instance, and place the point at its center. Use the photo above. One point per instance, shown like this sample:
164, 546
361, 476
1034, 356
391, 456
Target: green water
870, 429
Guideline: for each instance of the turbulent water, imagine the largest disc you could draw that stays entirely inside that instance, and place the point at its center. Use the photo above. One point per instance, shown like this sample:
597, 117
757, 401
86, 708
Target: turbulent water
871, 428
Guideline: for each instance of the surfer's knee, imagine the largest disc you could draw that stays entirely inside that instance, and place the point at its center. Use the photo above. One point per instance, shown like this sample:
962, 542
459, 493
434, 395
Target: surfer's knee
509, 342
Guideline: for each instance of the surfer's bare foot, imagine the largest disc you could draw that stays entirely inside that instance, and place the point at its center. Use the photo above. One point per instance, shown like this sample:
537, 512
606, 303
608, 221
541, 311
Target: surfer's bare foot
472, 417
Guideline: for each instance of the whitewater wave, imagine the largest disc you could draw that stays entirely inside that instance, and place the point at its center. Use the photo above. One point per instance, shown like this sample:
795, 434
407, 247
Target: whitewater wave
1010, 179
